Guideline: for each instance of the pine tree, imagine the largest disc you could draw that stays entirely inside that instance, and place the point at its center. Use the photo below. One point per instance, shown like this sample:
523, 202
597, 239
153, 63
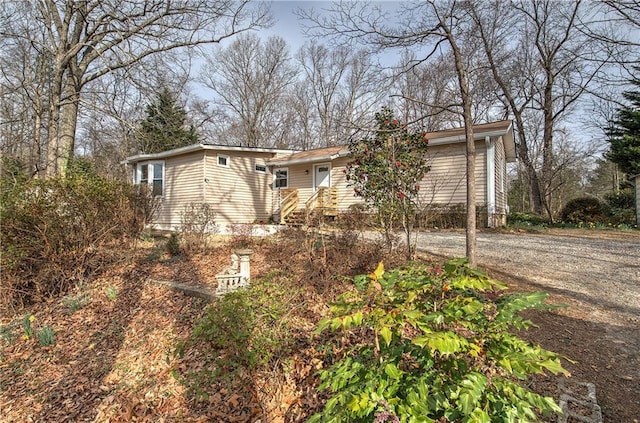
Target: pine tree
165, 127
624, 133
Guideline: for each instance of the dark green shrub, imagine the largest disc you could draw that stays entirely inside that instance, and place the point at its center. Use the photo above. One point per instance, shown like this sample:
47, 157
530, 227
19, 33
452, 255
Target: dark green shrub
240, 333
173, 244
583, 210
425, 345
526, 219
54, 231
621, 207
623, 199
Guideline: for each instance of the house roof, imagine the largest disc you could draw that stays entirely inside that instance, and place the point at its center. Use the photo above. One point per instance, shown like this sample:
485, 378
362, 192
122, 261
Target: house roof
503, 128
316, 155
201, 147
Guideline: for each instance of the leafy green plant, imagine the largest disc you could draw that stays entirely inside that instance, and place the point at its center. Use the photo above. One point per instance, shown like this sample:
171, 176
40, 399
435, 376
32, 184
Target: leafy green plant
111, 292
241, 332
75, 303
519, 219
173, 245
386, 172
27, 330
46, 336
6, 334
427, 345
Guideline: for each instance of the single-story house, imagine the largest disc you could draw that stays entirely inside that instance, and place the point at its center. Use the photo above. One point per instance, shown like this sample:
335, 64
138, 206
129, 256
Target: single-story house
261, 185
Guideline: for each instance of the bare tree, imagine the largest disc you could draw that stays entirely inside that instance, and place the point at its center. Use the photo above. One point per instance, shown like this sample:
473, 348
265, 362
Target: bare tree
343, 86
250, 79
89, 39
25, 89
430, 26
544, 72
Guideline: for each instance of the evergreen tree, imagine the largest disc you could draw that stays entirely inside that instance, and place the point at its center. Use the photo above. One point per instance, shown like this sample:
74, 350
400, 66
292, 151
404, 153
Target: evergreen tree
624, 133
165, 127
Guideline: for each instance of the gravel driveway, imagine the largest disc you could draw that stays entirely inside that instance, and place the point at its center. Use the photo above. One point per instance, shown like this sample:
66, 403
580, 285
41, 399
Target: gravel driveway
597, 275
601, 275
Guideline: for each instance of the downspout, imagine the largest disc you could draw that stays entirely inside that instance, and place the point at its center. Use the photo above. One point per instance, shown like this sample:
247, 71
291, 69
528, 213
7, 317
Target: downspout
204, 176
491, 180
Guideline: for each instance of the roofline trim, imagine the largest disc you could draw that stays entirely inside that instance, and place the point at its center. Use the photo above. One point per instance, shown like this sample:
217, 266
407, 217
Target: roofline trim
198, 147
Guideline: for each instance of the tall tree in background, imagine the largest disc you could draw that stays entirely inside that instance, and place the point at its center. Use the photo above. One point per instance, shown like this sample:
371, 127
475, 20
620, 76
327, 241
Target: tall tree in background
251, 78
624, 133
343, 87
165, 127
91, 38
543, 63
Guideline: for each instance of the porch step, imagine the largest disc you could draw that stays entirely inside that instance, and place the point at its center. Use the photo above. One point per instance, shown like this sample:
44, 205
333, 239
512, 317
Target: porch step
300, 218
296, 218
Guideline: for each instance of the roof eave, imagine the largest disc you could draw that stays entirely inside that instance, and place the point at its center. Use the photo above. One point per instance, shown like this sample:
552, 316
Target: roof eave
197, 147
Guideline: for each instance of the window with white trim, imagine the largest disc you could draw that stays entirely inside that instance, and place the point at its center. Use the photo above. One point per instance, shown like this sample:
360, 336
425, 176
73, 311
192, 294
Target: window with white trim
151, 174
223, 160
261, 168
281, 177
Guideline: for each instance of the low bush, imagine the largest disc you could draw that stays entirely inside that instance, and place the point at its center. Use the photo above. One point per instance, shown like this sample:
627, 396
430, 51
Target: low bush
448, 216
357, 217
242, 235
241, 333
54, 231
429, 345
621, 208
583, 210
197, 222
526, 219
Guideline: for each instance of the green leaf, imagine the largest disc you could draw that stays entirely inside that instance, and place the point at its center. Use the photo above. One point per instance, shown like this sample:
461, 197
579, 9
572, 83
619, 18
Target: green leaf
554, 366
412, 314
473, 306
479, 416
392, 371
322, 325
471, 392
386, 334
357, 318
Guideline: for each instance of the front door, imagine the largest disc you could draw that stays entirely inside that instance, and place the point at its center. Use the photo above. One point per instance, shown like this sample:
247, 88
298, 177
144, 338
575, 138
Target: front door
321, 175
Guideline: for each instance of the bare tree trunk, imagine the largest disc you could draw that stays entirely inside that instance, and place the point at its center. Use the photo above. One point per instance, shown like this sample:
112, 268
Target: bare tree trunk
535, 195
53, 128
547, 142
470, 231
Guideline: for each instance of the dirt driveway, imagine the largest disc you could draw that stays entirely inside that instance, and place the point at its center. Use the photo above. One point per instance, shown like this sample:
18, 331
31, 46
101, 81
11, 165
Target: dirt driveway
597, 274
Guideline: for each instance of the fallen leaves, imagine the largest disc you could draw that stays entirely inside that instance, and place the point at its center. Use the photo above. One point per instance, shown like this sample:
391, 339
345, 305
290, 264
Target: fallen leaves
114, 358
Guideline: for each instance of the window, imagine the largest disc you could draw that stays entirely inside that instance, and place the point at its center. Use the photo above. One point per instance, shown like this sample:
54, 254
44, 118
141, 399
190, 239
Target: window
223, 160
260, 168
151, 175
282, 178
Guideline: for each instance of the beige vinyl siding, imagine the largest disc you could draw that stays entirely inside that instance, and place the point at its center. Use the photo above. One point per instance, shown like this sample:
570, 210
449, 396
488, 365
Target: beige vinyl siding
445, 183
182, 185
237, 193
501, 177
346, 197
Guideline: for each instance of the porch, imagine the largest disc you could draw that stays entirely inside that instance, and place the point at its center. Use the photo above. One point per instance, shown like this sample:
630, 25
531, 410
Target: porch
321, 204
